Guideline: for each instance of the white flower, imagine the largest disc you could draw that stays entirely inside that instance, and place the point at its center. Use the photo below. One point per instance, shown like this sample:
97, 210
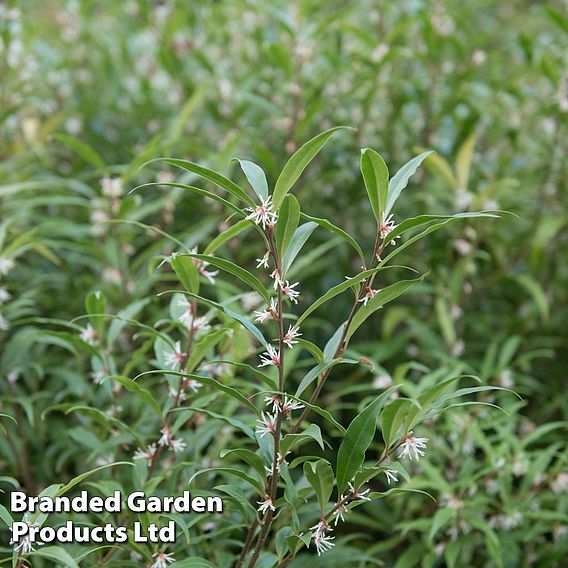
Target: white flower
173, 359
98, 377
24, 545
13, 375
270, 357
263, 261
291, 335
4, 295
6, 264
275, 401
387, 227
275, 274
162, 560
412, 447
112, 187
266, 425
288, 290
187, 317
340, 510
391, 475
89, 335
323, 543
382, 382
357, 494
560, 483
177, 445
270, 312
147, 454
262, 214
191, 384
290, 404
166, 438
321, 528
265, 505
321, 540
368, 296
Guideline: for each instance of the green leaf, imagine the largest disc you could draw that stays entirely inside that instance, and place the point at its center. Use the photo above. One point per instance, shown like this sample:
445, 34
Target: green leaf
200, 348
400, 180
376, 178
6, 516
82, 149
291, 441
58, 554
394, 415
134, 387
210, 382
313, 374
301, 235
338, 231
193, 562
186, 271
332, 292
211, 175
252, 459
380, 299
463, 161
234, 422
231, 471
357, 440
196, 190
95, 303
62, 489
288, 219
298, 163
229, 233
413, 222
235, 270
320, 476
227, 311
256, 177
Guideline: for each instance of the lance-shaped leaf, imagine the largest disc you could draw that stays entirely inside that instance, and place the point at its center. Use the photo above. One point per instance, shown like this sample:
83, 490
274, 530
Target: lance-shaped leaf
230, 391
200, 348
380, 299
235, 270
186, 271
232, 472
227, 234
338, 231
332, 292
144, 394
95, 303
288, 219
357, 440
213, 176
196, 190
227, 311
376, 178
256, 177
320, 476
254, 460
400, 180
301, 235
298, 163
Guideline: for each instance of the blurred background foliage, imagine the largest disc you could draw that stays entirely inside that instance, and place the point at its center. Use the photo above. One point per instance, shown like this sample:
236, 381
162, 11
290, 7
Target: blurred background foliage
91, 90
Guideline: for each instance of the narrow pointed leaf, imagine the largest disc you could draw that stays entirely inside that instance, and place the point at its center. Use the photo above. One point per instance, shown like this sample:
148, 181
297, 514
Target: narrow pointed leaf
376, 178
298, 163
256, 177
400, 180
